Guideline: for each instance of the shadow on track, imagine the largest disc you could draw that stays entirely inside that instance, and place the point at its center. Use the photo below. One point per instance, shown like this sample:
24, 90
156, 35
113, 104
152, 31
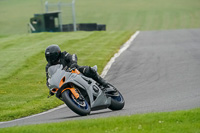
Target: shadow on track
78, 116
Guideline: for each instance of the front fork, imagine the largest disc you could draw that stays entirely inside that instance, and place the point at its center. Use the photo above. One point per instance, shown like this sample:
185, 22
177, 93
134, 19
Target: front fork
59, 92
73, 91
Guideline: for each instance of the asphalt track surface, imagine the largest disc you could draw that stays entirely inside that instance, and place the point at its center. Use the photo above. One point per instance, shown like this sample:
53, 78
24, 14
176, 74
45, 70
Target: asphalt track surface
159, 72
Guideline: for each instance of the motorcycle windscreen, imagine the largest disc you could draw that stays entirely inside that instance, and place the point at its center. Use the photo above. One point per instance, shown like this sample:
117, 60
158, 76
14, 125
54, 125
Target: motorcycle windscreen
52, 69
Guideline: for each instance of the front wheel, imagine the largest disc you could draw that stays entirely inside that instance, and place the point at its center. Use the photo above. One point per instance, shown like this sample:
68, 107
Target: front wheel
117, 100
80, 107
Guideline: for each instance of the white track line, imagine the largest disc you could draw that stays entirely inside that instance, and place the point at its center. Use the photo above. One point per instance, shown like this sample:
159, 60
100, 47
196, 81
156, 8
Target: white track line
122, 49
105, 70
51, 110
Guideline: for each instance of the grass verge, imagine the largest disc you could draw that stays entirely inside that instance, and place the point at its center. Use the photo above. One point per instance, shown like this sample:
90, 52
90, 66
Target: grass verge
22, 66
118, 15
169, 122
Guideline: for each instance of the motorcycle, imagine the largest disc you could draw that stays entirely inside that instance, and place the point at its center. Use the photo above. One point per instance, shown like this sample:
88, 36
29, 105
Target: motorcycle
82, 94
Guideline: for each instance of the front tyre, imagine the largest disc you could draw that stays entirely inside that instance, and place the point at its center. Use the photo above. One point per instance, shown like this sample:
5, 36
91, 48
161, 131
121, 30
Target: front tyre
117, 100
80, 107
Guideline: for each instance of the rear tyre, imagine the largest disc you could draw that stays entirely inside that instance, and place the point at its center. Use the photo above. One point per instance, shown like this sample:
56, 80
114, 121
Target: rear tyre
117, 100
80, 107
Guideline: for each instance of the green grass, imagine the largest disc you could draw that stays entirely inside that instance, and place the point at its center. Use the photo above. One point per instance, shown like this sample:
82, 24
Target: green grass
170, 122
118, 15
22, 66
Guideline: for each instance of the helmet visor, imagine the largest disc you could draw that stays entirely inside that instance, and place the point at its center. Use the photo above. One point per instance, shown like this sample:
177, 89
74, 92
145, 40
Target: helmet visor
52, 58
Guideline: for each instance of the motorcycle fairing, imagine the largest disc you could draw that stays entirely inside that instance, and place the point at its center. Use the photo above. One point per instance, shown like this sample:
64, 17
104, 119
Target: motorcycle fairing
98, 99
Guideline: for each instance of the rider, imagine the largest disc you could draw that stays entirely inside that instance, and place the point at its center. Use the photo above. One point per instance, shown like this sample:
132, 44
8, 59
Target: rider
54, 56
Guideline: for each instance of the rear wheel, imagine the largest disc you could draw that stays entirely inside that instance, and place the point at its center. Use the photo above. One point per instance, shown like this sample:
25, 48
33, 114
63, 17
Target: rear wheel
117, 100
80, 107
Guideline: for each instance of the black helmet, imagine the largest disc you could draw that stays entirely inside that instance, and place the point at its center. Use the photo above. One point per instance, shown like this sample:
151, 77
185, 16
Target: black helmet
52, 54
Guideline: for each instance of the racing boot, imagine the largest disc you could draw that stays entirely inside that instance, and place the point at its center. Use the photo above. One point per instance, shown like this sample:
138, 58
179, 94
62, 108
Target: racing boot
92, 73
99, 79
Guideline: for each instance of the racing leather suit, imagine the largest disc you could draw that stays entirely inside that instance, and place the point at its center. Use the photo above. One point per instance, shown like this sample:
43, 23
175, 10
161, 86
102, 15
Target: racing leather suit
70, 61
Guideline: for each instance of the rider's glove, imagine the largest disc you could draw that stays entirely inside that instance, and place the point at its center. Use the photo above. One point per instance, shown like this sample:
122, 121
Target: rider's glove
51, 93
73, 66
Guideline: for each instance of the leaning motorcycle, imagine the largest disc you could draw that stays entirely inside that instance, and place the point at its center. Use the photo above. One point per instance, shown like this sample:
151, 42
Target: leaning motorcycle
82, 94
